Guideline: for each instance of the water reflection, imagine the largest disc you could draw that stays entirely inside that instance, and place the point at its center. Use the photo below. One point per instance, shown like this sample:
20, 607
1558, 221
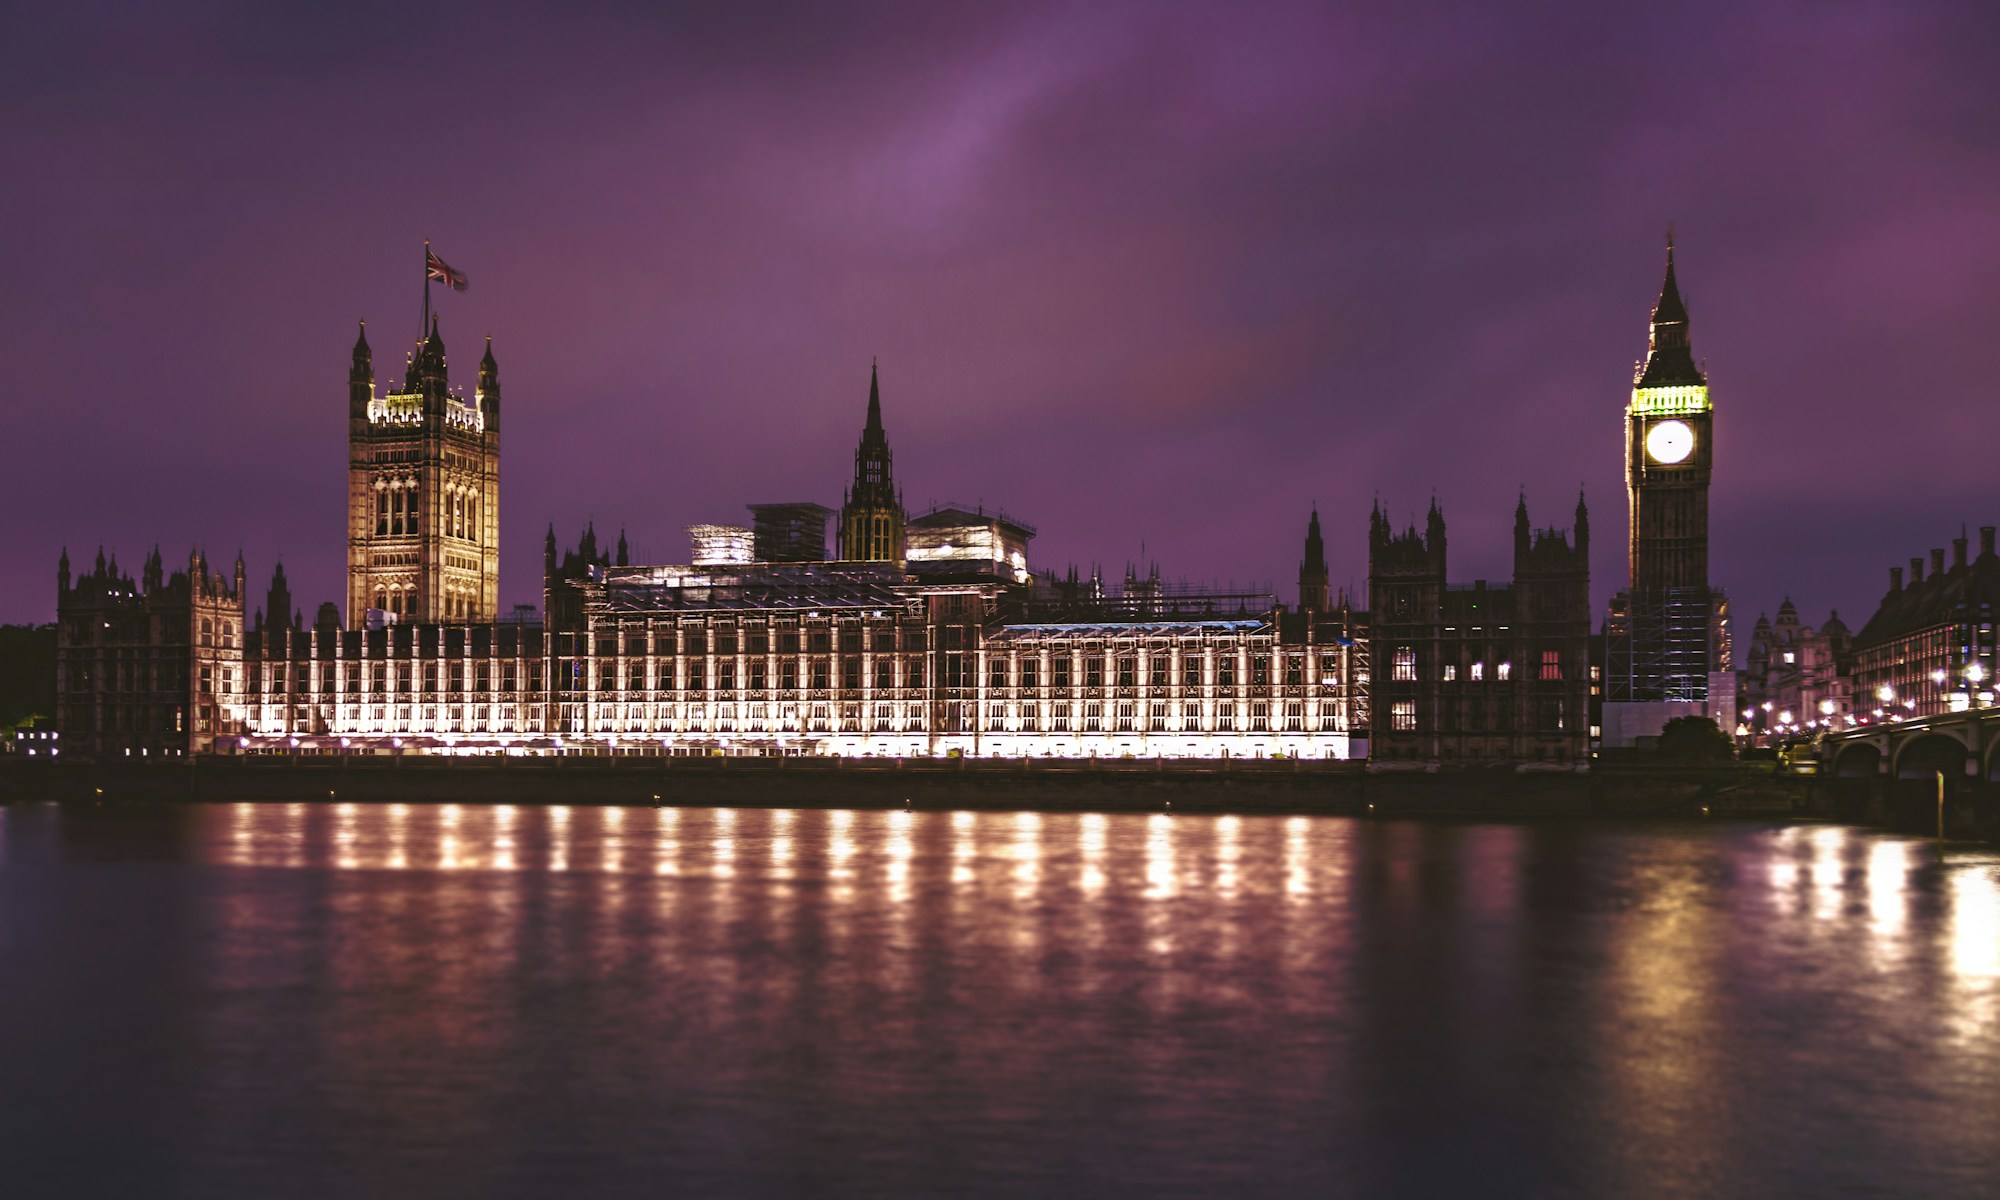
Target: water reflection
1683, 1010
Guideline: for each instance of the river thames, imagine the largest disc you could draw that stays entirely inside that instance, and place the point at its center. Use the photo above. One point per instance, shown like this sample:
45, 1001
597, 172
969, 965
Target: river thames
361, 1000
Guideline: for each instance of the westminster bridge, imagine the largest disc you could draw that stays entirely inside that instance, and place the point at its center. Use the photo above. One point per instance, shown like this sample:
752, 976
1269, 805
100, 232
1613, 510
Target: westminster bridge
1891, 771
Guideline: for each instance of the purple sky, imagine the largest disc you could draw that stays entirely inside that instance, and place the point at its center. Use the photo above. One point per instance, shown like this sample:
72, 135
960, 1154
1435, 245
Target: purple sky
1135, 275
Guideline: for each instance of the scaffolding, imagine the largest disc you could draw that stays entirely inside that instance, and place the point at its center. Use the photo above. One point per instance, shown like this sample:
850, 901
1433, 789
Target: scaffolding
1661, 646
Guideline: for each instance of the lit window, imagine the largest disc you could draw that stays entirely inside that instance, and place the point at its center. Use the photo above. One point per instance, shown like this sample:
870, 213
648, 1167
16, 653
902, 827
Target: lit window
1478, 671
1403, 716
1450, 672
1552, 664
1405, 668
1503, 671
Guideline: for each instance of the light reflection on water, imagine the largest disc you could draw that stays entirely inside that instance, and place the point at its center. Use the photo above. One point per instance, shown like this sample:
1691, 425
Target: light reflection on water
775, 1000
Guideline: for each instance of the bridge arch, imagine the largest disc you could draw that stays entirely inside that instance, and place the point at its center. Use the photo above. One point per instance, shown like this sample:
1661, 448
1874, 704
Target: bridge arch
1858, 760
1923, 756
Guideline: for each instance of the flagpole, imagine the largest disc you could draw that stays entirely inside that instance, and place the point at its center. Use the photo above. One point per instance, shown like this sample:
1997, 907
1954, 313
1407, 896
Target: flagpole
424, 331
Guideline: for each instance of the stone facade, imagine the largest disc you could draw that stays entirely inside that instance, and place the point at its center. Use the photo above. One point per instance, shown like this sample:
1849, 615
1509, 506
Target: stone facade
1479, 673
1929, 647
423, 491
148, 669
1796, 678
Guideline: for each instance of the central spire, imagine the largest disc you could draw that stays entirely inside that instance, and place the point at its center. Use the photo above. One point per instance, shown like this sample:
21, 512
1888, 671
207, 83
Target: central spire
1669, 349
871, 515
874, 424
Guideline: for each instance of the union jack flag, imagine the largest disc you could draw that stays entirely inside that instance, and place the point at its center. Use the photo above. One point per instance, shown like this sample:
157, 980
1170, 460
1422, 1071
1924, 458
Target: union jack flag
436, 268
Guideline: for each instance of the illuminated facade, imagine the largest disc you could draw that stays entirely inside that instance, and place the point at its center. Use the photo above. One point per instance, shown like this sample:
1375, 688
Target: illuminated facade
1667, 635
423, 491
1479, 673
954, 540
927, 637
816, 659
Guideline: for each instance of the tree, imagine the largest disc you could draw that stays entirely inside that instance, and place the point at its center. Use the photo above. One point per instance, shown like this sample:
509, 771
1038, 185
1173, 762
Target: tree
1695, 740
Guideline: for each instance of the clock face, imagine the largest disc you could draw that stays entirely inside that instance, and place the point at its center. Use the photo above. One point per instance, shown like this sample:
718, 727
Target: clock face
1670, 441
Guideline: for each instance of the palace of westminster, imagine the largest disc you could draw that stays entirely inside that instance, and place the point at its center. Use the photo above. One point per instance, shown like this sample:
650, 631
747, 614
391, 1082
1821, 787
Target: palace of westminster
921, 634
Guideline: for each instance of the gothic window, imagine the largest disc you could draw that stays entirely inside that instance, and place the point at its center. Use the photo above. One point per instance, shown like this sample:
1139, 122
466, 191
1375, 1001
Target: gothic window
996, 673
1503, 672
1478, 671
1093, 672
1295, 670
1404, 665
885, 675
1225, 671
1260, 671
1451, 672
1157, 670
1060, 669
1403, 716
1029, 671
1552, 664
1128, 672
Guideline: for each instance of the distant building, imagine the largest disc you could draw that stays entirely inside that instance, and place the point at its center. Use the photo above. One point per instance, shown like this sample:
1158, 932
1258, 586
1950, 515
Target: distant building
721, 545
1479, 673
1667, 650
1796, 679
955, 540
150, 669
794, 532
1929, 647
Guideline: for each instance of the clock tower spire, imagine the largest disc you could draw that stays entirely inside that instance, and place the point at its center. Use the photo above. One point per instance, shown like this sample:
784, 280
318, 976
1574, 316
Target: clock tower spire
1667, 636
1668, 452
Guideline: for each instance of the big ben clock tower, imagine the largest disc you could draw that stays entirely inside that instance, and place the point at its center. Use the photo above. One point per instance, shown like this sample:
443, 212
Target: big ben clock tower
1668, 453
1666, 640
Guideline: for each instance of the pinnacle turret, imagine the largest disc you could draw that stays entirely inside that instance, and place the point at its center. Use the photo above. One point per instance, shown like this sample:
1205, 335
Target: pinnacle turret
1312, 570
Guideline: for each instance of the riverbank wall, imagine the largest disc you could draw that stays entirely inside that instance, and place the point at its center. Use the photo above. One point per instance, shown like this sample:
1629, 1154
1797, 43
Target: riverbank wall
1104, 785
